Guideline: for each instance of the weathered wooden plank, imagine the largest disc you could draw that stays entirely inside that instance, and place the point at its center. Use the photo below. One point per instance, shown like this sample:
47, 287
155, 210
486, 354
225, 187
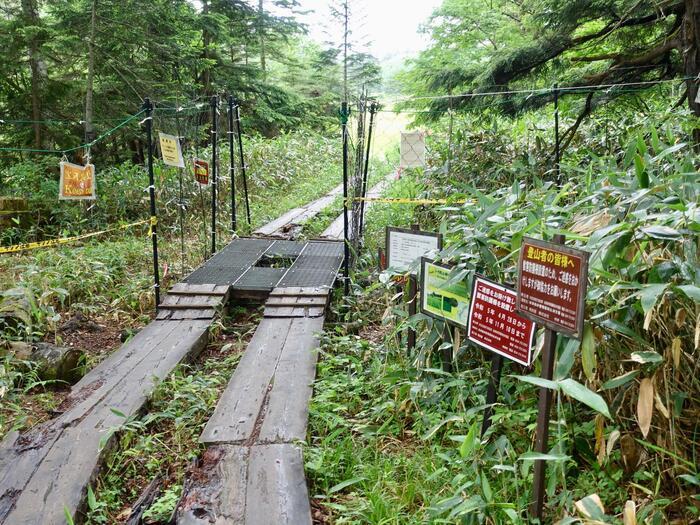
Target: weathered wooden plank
215, 492
288, 407
238, 409
198, 289
299, 301
276, 493
273, 312
53, 474
300, 291
180, 314
191, 301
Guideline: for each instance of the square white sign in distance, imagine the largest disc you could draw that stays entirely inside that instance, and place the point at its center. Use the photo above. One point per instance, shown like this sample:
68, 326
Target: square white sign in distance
404, 248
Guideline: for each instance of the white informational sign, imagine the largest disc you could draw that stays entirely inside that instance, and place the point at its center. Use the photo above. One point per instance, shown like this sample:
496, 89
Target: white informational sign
406, 247
413, 150
170, 150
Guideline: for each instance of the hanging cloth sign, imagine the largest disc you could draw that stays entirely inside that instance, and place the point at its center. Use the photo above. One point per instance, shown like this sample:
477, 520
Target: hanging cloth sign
201, 171
77, 182
170, 150
413, 150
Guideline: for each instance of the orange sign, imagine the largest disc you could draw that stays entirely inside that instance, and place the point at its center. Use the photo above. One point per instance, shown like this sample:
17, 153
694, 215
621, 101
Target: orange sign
201, 171
77, 182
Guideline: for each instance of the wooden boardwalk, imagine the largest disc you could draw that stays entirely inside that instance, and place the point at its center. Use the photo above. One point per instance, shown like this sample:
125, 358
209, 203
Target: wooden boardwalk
253, 472
44, 473
335, 230
289, 225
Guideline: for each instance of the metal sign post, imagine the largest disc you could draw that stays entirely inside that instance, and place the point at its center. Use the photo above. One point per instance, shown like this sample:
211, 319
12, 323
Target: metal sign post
232, 163
148, 106
344, 114
242, 159
214, 170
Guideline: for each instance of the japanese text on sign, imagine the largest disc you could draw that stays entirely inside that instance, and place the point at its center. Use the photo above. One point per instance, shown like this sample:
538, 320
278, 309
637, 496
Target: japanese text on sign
495, 325
77, 182
170, 150
201, 171
552, 285
406, 247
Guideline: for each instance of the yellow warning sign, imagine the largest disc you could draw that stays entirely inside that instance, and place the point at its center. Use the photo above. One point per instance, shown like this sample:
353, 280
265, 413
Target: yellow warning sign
170, 150
77, 182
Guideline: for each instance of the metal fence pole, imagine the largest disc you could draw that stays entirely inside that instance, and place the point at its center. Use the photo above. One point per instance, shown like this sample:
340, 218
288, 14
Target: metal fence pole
148, 106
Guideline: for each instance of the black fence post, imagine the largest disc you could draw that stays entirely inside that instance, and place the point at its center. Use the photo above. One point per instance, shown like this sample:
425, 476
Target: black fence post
148, 106
243, 172
214, 171
232, 170
557, 152
492, 392
344, 113
373, 108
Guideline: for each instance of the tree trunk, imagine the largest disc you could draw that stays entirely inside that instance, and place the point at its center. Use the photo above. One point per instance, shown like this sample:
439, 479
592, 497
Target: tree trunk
89, 126
49, 362
691, 58
261, 35
30, 13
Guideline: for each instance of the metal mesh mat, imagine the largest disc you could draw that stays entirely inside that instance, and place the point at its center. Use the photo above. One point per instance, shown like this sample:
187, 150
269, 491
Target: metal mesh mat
229, 264
316, 264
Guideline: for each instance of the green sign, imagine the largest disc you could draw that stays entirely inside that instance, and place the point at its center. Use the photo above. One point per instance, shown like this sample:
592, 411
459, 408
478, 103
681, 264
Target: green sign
441, 296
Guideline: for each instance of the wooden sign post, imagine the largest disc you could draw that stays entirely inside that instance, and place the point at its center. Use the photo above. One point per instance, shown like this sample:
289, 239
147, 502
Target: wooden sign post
552, 282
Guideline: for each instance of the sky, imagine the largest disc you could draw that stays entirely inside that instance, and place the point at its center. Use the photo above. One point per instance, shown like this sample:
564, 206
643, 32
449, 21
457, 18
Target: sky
391, 25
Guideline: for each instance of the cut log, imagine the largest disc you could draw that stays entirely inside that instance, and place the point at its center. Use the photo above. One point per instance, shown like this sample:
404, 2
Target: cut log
49, 362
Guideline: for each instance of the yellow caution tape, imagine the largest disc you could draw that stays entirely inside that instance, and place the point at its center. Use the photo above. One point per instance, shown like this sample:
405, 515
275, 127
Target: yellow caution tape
410, 201
65, 240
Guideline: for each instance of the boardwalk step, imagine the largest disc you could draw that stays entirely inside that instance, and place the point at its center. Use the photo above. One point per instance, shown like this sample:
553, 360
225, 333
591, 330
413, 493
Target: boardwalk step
252, 485
44, 472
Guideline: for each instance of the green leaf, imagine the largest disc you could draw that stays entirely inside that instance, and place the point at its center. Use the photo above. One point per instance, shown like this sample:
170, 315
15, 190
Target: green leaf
118, 413
661, 232
566, 359
69, 517
537, 456
580, 393
538, 381
588, 357
620, 380
624, 330
92, 501
469, 441
437, 427
344, 484
641, 172
646, 357
691, 291
649, 295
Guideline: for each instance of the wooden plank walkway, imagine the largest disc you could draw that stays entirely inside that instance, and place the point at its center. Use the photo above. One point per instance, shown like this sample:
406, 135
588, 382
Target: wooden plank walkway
44, 473
252, 472
335, 230
288, 225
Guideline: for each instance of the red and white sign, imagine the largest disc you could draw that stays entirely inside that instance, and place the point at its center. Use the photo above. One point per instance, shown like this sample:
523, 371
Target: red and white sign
552, 282
494, 323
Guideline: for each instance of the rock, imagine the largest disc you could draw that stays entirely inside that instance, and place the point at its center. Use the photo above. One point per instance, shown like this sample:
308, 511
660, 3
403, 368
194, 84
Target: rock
50, 362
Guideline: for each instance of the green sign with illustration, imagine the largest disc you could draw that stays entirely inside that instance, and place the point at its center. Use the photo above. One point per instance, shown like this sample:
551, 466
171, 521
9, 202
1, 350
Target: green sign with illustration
441, 296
